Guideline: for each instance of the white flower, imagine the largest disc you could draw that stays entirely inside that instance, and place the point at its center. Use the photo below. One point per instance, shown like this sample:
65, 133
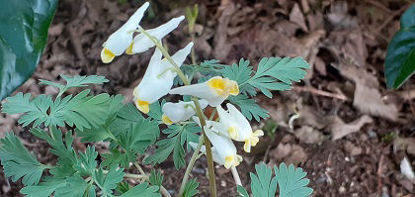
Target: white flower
121, 39
181, 111
234, 125
158, 78
215, 90
142, 43
223, 150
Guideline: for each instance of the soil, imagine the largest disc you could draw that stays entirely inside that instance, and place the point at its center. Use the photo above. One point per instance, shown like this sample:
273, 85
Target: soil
349, 141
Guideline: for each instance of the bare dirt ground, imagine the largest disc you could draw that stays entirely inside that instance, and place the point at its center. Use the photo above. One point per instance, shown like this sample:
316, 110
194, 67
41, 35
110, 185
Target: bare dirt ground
352, 132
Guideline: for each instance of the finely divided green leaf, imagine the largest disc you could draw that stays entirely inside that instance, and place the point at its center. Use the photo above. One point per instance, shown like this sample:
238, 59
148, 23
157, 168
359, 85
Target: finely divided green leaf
156, 178
190, 189
82, 111
142, 190
75, 81
17, 162
261, 183
292, 181
273, 73
242, 191
108, 181
249, 107
178, 135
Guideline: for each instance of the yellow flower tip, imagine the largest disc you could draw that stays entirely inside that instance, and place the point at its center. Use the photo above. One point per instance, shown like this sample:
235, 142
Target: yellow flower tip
143, 106
129, 50
233, 132
229, 161
234, 90
217, 84
166, 120
258, 133
107, 56
247, 145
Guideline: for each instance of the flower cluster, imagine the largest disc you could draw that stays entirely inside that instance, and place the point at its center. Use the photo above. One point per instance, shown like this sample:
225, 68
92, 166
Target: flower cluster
158, 82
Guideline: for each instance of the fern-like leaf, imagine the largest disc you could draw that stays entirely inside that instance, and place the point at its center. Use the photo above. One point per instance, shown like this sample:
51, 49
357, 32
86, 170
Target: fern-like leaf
291, 181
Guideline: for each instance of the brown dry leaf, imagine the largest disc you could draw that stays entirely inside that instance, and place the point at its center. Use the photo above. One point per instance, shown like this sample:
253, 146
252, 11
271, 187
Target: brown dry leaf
309, 116
308, 135
340, 129
297, 16
289, 153
407, 144
367, 97
352, 149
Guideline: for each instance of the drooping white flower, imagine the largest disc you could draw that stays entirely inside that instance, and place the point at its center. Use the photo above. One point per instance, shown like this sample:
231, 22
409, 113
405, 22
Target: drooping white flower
223, 150
215, 90
121, 39
158, 78
142, 43
234, 125
181, 111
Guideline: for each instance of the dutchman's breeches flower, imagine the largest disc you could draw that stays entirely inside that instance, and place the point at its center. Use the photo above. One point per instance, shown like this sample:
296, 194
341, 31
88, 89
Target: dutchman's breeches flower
223, 149
121, 39
181, 111
158, 78
233, 124
142, 43
215, 90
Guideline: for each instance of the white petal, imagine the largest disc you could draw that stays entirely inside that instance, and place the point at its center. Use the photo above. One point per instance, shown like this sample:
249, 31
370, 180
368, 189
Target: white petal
143, 43
180, 56
200, 90
121, 39
406, 169
134, 20
215, 154
180, 111
227, 148
152, 87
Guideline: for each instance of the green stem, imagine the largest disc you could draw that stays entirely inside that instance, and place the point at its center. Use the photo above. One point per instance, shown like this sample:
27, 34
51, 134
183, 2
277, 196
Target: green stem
166, 55
211, 170
190, 166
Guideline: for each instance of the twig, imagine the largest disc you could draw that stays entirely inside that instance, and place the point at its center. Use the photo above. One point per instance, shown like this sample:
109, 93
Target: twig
379, 5
390, 18
313, 90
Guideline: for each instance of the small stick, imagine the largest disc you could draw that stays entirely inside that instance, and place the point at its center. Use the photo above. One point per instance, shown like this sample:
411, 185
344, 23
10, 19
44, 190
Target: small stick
313, 90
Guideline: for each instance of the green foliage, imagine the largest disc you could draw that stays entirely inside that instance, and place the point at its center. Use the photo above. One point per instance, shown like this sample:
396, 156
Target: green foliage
142, 190
178, 135
108, 181
127, 130
82, 110
273, 73
242, 191
155, 178
17, 162
261, 183
190, 188
76, 81
249, 107
23, 34
291, 182
400, 56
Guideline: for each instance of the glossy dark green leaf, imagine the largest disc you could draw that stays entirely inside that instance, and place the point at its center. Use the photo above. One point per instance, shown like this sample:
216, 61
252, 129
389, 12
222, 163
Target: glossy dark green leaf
400, 64
23, 34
